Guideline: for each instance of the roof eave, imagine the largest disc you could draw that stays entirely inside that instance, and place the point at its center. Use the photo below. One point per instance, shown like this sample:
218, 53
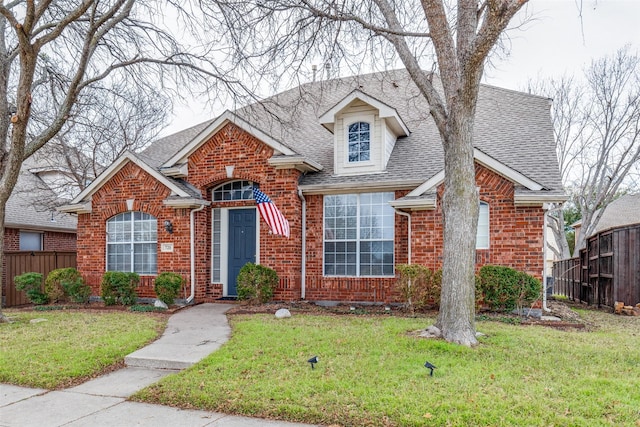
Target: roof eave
177, 171
77, 208
185, 202
522, 200
295, 162
414, 205
358, 187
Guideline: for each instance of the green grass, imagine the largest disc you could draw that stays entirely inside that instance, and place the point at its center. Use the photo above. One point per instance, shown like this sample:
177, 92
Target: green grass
70, 346
371, 373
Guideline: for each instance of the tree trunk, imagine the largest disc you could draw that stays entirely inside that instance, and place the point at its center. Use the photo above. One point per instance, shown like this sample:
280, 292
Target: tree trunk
460, 207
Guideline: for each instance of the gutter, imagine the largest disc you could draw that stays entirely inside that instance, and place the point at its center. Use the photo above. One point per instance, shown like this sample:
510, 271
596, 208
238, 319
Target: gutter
303, 262
192, 245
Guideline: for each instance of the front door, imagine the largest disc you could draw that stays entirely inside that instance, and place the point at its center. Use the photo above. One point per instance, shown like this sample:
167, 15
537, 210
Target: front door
242, 244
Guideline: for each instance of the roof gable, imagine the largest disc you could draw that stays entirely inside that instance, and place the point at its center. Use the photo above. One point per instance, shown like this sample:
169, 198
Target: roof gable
115, 167
386, 112
226, 117
490, 163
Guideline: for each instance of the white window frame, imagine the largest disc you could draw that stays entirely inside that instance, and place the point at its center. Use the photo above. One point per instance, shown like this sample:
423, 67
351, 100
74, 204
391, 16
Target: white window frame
483, 230
350, 119
132, 242
223, 245
358, 239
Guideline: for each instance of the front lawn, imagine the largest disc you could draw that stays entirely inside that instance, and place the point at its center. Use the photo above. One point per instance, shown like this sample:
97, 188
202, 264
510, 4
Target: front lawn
69, 346
371, 373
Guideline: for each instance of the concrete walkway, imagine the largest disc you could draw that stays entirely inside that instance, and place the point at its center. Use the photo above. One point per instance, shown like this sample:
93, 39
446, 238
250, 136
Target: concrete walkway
191, 335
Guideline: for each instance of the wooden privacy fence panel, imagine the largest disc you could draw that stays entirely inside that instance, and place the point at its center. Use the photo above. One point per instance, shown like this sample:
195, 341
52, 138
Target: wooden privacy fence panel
608, 269
43, 262
566, 278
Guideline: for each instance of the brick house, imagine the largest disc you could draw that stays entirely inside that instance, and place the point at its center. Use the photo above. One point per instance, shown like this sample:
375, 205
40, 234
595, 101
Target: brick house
356, 167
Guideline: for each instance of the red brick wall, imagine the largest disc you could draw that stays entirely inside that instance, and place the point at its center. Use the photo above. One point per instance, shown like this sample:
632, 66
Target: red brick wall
229, 147
232, 146
515, 240
53, 241
132, 182
515, 233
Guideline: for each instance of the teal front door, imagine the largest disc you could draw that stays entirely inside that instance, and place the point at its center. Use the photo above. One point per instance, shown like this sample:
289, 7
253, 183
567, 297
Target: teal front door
242, 244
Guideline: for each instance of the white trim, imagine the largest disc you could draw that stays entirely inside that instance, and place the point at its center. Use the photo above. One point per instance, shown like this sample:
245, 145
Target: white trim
177, 171
537, 199
224, 245
79, 208
115, 167
295, 162
185, 203
215, 126
414, 204
506, 171
397, 124
359, 187
490, 163
429, 184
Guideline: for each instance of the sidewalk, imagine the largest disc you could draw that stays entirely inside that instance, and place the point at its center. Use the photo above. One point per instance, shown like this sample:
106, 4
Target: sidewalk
191, 335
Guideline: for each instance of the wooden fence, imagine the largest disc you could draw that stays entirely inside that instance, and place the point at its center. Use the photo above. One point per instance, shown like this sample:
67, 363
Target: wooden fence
20, 262
607, 270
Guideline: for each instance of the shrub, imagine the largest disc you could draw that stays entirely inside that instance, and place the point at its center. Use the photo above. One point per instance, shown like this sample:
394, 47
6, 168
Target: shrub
419, 286
504, 289
31, 283
256, 283
65, 284
119, 288
167, 286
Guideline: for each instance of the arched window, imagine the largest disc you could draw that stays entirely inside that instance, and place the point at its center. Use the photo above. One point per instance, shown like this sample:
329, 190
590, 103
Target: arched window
482, 236
132, 243
359, 137
234, 190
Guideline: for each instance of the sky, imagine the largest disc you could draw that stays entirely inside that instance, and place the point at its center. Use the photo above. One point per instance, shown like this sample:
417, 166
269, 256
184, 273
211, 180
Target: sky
559, 39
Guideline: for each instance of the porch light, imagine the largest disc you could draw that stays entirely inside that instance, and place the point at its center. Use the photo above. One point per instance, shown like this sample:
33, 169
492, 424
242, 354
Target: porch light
168, 226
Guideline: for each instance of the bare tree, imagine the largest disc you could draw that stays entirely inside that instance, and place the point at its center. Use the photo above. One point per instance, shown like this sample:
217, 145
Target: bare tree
111, 120
457, 36
597, 128
53, 52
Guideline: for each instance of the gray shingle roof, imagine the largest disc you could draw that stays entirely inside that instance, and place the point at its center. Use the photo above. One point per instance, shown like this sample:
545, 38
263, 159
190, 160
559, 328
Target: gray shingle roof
620, 212
512, 127
28, 207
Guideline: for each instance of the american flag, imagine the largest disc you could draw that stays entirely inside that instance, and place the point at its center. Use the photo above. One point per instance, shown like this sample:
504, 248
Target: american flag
271, 214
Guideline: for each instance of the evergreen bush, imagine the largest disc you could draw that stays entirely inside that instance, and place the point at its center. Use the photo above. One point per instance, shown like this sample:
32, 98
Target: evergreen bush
66, 284
167, 286
256, 283
119, 288
419, 286
505, 289
31, 284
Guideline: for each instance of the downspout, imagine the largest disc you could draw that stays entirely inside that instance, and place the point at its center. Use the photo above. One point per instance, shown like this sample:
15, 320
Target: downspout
408, 215
303, 262
192, 245
547, 210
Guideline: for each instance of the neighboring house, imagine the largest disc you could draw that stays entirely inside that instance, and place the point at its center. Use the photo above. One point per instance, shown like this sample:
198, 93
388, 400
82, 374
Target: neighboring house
625, 210
356, 167
32, 222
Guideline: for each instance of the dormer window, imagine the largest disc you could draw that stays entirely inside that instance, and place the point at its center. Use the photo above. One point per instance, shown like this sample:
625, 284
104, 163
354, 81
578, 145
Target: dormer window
359, 142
